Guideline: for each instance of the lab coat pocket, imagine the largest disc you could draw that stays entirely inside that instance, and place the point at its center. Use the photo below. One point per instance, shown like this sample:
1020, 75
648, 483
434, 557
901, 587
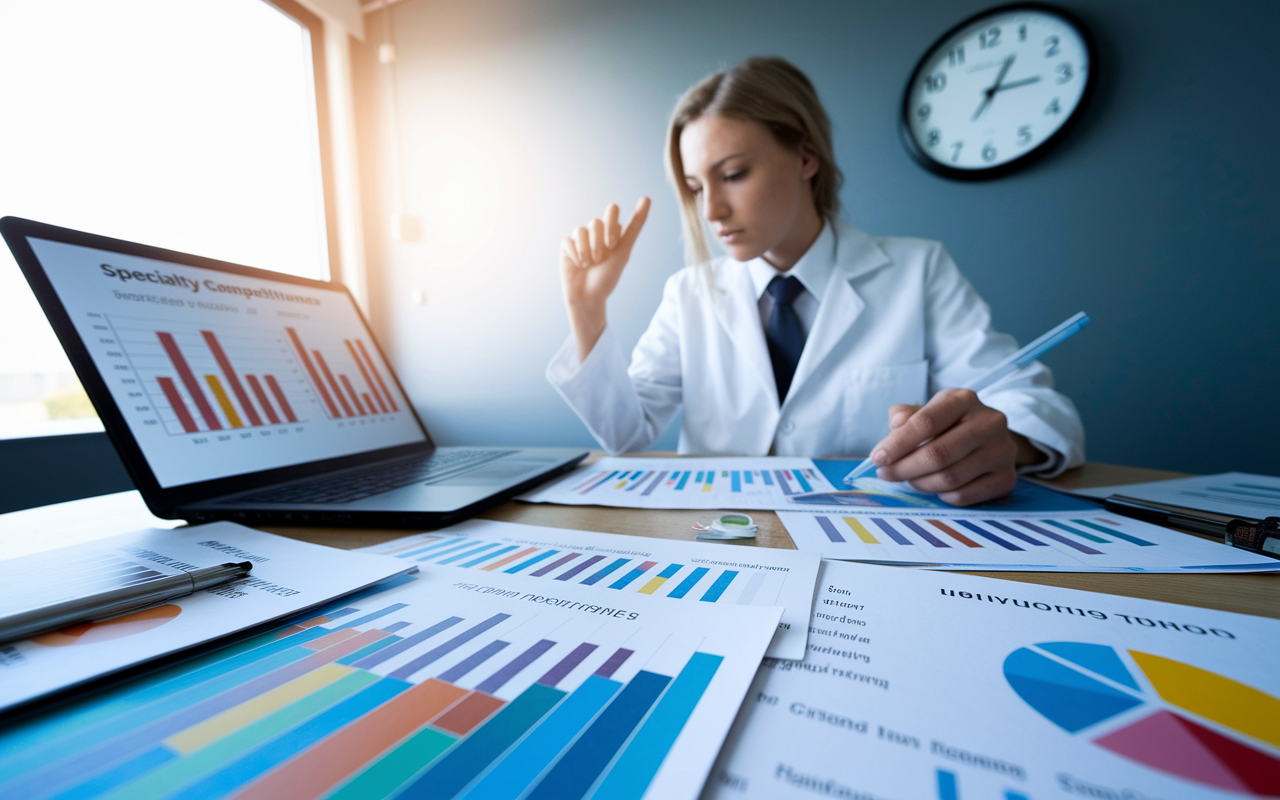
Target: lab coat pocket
868, 393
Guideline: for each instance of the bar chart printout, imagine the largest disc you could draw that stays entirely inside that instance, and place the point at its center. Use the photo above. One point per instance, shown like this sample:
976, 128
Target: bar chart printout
1072, 541
288, 577
691, 572
429, 689
711, 483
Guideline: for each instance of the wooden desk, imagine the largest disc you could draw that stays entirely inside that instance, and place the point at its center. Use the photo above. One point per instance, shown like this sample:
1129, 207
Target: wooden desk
1250, 594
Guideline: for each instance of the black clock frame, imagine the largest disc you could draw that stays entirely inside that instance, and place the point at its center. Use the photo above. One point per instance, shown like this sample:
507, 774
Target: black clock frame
971, 175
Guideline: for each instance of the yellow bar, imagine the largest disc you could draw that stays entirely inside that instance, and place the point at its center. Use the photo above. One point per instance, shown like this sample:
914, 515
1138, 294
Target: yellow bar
237, 717
706, 487
863, 533
619, 486
224, 401
652, 586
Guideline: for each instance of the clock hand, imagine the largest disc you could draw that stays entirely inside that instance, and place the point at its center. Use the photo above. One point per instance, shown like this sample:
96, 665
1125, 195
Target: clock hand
990, 93
986, 101
1016, 84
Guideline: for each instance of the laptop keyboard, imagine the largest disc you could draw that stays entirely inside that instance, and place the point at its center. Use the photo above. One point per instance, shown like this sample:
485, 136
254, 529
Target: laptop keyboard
358, 485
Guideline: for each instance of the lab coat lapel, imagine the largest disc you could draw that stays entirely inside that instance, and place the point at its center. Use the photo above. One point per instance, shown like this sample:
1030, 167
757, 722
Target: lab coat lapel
738, 311
856, 255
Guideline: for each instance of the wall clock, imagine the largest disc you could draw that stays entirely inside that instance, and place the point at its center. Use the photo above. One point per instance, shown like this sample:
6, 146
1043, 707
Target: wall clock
998, 90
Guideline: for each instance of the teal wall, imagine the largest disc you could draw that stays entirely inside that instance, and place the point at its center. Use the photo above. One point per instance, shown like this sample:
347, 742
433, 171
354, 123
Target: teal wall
1158, 215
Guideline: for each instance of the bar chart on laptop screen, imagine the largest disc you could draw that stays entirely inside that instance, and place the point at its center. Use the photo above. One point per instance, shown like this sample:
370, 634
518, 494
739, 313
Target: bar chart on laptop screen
200, 379
233, 378
249, 371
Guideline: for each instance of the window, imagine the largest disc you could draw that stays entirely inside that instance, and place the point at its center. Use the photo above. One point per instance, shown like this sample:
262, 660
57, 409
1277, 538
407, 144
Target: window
189, 125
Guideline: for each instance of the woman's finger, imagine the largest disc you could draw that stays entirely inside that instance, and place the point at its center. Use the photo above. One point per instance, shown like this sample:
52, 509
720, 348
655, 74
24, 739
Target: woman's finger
900, 413
960, 473
612, 230
597, 241
943, 410
569, 250
584, 247
983, 488
635, 224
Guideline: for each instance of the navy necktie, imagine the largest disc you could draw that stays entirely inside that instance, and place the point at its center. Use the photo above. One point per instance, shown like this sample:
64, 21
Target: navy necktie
784, 333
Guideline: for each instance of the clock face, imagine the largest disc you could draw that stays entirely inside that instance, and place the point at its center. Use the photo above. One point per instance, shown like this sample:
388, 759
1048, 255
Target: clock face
996, 89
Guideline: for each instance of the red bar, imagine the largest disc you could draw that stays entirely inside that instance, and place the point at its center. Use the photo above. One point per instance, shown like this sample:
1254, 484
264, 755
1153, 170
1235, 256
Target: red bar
332, 383
367, 381
369, 402
189, 380
280, 398
953, 533
374, 369
315, 376
262, 399
216, 348
354, 398
179, 407
468, 713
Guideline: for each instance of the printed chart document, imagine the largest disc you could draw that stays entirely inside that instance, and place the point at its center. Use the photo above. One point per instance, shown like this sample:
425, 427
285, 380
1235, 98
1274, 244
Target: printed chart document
771, 483
1236, 494
763, 483
288, 576
693, 572
934, 686
451, 683
1057, 541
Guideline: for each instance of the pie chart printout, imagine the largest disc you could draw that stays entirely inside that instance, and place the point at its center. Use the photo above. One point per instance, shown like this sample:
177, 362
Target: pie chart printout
1197, 725
119, 627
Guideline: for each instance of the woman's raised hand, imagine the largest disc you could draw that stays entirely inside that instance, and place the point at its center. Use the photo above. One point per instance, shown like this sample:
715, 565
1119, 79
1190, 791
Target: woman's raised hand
591, 262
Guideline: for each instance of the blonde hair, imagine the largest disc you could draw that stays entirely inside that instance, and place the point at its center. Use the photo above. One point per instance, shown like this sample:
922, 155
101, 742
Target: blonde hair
774, 93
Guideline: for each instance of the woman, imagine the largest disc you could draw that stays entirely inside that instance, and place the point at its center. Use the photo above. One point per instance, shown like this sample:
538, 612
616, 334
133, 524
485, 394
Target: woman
802, 338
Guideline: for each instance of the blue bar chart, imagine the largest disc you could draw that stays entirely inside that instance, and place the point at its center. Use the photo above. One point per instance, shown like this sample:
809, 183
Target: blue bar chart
1072, 541
730, 483
692, 572
420, 690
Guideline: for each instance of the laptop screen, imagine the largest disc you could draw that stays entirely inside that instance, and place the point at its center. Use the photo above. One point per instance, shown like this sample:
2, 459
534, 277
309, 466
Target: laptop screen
220, 374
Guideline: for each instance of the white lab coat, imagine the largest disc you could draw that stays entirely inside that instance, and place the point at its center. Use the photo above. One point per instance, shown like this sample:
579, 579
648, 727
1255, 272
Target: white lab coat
897, 323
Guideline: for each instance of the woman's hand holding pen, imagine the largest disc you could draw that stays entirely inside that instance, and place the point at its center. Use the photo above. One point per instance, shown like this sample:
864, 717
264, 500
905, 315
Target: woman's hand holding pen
953, 446
591, 262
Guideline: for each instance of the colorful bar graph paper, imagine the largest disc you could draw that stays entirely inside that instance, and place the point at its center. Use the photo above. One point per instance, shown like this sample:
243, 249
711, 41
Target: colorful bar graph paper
621, 574
1066, 540
293, 717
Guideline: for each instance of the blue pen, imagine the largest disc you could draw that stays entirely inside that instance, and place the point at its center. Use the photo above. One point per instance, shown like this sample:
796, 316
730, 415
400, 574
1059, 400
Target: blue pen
1005, 368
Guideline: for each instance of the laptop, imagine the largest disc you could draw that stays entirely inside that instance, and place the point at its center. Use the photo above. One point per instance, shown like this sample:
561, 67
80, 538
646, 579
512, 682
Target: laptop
242, 394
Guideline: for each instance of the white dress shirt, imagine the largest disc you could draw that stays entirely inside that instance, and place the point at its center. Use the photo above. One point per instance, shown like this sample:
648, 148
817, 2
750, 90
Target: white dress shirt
813, 270
895, 322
